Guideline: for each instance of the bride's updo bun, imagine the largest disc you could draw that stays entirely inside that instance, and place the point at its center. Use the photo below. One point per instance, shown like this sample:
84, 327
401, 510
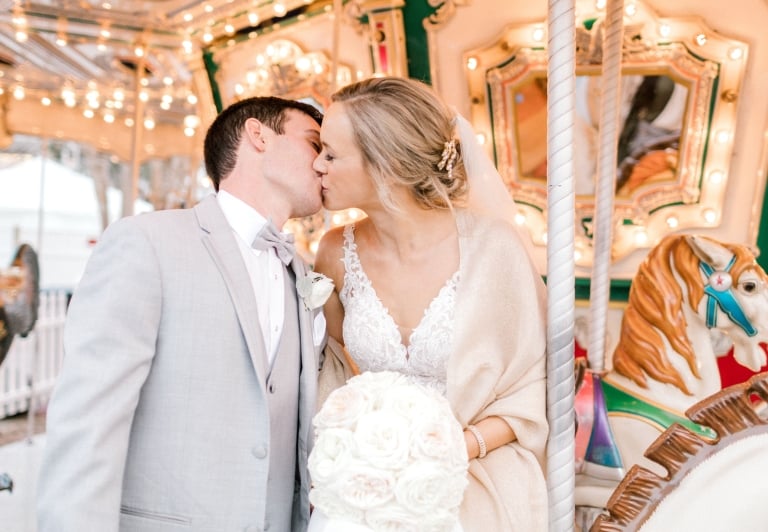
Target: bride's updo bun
406, 135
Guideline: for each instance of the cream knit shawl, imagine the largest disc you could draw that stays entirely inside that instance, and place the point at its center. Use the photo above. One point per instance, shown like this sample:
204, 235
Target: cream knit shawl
498, 369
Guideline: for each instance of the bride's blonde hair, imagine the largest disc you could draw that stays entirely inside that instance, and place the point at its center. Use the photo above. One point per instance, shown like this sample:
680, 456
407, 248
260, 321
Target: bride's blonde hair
406, 135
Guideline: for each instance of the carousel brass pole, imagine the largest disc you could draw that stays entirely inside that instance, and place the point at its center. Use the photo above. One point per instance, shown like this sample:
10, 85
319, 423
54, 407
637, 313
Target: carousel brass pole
131, 191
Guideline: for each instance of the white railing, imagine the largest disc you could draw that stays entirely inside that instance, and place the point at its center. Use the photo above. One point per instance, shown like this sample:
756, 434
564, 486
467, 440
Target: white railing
30, 369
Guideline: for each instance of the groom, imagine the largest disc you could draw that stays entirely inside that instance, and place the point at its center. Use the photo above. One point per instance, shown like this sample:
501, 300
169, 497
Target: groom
190, 366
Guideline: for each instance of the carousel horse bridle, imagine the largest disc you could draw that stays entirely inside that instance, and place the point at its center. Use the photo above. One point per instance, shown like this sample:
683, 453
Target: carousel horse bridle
719, 291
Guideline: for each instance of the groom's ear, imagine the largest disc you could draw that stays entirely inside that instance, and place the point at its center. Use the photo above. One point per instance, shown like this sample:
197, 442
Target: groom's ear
253, 134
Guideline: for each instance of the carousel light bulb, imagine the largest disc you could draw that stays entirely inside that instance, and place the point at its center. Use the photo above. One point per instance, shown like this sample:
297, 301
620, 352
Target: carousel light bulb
520, 218
630, 10
191, 121
353, 214
716, 177
144, 96
21, 35
701, 39
641, 237
665, 30
188, 17
118, 95
45, 100
239, 89
149, 123
279, 9
600, 5
472, 63
538, 34
208, 8
253, 18
481, 138
337, 219
673, 222
191, 99
88, 113
109, 118
19, 93
128, 122
207, 37
229, 28
709, 215
723, 136
735, 53
189, 132
313, 246
577, 254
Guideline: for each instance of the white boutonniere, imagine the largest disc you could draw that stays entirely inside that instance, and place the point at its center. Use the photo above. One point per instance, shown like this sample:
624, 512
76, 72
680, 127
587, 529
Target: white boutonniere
314, 289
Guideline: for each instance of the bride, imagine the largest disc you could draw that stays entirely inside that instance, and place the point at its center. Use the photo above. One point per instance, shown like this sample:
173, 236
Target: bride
436, 283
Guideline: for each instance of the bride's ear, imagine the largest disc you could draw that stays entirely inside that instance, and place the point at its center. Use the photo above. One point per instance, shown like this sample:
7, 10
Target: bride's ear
254, 133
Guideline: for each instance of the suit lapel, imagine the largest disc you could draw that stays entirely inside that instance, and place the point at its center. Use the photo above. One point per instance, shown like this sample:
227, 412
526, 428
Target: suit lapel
217, 237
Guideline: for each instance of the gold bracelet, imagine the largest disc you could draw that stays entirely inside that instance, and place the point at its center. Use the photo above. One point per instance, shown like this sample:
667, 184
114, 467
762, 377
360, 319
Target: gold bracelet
480, 441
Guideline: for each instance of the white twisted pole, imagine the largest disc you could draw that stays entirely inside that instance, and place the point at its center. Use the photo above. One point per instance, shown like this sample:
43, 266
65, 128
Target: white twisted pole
561, 86
613, 31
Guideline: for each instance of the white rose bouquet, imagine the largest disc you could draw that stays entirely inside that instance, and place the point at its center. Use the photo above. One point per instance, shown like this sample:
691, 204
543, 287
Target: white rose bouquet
389, 456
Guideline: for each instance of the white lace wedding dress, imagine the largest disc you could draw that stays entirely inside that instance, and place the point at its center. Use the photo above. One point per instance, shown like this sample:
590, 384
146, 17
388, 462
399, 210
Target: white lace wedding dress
373, 340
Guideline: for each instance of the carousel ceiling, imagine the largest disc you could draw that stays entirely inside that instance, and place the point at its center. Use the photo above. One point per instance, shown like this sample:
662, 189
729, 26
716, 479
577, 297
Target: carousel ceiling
77, 68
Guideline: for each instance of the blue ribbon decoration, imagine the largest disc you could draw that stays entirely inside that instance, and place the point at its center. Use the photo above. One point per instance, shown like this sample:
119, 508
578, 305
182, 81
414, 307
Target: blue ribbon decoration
725, 300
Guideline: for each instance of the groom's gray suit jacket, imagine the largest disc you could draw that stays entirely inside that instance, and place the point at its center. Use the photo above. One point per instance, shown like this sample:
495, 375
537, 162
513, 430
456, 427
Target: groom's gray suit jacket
163, 417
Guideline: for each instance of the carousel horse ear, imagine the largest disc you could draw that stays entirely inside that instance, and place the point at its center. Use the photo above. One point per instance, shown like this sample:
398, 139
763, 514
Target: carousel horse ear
19, 297
710, 252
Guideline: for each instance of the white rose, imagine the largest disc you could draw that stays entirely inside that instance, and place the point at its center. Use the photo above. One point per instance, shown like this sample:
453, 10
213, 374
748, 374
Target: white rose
437, 435
362, 486
344, 406
383, 438
407, 399
314, 289
333, 506
331, 453
426, 486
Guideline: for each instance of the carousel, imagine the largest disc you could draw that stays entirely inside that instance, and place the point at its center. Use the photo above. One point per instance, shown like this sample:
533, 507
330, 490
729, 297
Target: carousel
632, 135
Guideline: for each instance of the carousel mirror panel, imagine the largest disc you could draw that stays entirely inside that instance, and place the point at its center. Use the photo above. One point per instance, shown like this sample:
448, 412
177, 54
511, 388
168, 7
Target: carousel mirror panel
680, 86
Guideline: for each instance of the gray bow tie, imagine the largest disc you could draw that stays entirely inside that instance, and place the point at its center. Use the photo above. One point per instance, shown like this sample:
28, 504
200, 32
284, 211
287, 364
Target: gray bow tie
270, 237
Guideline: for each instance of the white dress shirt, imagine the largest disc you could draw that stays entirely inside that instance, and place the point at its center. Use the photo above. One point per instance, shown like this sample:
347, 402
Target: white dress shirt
264, 268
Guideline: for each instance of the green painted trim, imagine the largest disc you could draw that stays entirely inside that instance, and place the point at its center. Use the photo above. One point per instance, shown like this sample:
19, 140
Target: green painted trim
619, 290
211, 68
762, 234
618, 400
416, 49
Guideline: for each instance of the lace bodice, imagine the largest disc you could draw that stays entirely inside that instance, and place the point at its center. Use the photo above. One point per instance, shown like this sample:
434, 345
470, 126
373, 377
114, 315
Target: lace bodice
372, 337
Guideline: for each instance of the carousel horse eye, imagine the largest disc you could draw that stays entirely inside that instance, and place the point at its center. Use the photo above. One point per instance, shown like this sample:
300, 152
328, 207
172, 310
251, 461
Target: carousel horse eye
749, 286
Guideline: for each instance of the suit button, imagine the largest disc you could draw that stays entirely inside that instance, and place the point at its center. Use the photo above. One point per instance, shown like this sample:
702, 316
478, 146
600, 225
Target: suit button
259, 452
271, 388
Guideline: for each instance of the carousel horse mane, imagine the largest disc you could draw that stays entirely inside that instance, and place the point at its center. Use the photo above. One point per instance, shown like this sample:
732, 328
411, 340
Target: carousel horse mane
655, 308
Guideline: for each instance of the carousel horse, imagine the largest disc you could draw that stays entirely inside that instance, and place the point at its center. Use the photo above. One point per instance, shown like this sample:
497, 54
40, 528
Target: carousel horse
686, 289
19, 300
697, 490
19, 297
